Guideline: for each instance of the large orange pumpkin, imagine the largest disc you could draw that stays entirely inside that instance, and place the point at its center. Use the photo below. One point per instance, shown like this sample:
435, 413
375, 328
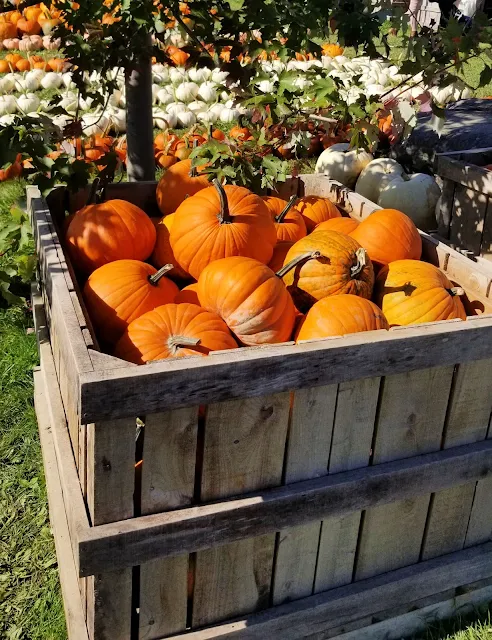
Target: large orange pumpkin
342, 225
174, 331
163, 254
289, 223
389, 235
188, 294
341, 315
250, 298
220, 222
280, 250
341, 265
112, 230
315, 210
121, 291
410, 291
7, 31
176, 185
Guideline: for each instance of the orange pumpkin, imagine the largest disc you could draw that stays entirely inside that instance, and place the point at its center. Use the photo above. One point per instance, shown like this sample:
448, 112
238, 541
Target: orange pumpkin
339, 316
4, 66
342, 225
112, 230
240, 133
389, 235
164, 160
7, 31
28, 27
280, 250
339, 265
178, 56
42, 64
188, 294
23, 65
176, 185
32, 13
174, 331
13, 171
15, 16
332, 50
220, 222
57, 64
250, 298
119, 292
13, 58
216, 134
315, 210
289, 223
163, 254
410, 292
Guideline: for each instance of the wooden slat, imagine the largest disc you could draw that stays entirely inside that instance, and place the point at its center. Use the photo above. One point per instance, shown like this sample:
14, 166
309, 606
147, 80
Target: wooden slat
410, 422
351, 449
467, 223
445, 212
308, 450
486, 248
109, 598
201, 527
310, 617
244, 446
252, 372
468, 175
468, 420
168, 477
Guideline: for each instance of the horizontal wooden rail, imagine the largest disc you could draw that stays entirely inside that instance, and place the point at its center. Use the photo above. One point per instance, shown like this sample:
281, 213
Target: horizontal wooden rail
131, 542
312, 617
469, 175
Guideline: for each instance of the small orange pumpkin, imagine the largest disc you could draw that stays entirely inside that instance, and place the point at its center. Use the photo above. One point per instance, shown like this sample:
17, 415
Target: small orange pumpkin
119, 292
289, 223
188, 294
315, 210
332, 50
57, 64
177, 184
174, 331
342, 225
28, 27
4, 66
23, 65
163, 253
7, 31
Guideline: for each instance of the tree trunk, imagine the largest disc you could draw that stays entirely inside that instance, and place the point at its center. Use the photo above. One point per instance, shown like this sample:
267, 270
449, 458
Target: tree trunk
139, 125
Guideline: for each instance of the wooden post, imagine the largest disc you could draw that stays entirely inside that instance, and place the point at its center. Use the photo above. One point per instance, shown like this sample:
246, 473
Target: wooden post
139, 125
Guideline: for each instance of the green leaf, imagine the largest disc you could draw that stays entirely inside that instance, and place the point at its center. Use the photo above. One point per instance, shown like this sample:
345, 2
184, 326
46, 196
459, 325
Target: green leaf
485, 77
236, 5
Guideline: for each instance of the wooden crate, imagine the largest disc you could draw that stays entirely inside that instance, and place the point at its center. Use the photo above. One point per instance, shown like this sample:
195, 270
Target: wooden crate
292, 491
465, 216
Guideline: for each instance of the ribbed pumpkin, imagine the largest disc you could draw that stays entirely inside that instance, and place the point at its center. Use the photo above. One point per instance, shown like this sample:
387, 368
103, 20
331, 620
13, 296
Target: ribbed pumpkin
7, 30
174, 331
176, 185
280, 250
122, 291
342, 266
410, 292
112, 230
342, 225
389, 235
289, 223
163, 254
220, 222
341, 315
315, 210
188, 294
250, 298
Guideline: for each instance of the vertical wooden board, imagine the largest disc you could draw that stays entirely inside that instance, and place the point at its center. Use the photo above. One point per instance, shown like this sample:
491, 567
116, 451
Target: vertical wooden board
410, 422
308, 450
468, 419
486, 248
109, 605
468, 218
244, 445
480, 525
168, 478
351, 449
445, 212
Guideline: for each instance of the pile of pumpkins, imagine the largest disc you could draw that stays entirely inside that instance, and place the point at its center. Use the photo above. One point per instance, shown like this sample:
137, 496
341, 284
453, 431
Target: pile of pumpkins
31, 22
225, 268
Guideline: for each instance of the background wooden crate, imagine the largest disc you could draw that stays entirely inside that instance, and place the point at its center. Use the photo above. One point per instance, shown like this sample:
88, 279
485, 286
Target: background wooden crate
303, 490
465, 216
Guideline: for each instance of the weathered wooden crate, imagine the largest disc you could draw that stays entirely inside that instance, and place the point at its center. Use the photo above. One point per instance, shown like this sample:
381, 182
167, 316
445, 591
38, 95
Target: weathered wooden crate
465, 216
342, 487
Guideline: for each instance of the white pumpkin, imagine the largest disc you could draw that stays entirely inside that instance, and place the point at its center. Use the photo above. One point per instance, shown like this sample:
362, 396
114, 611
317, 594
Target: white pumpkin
28, 102
118, 120
207, 117
229, 114
177, 75
416, 195
187, 92
7, 83
27, 83
207, 92
376, 175
164, 97
8, 104
218, 76
199, 75
341, 163
175, 107
196, 106
164, 120
95, 124
67, 80
186, 118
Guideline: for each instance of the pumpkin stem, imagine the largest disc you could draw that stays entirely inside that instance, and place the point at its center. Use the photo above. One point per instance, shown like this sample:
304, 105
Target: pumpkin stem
158, 274
193, 173
456, 291
176, 342
224, 215
286, 209
361, 256
303, 257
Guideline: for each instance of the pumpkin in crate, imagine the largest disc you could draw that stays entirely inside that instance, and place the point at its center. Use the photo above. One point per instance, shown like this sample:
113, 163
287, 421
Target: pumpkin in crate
178, 183
289, 223
112, 230
163, 254
188, 294
280, 250
410, 291
336, 264
121, 291
315, 210
342, 225
250, 298
174, 331
343, 163
220, 222
339, 316
389, 235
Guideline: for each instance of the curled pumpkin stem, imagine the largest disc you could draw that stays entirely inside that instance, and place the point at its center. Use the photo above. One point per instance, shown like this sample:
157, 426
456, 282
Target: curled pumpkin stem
158, 274
361, 256
303, 257
177, 342
224, 214
286, 209
456, 291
